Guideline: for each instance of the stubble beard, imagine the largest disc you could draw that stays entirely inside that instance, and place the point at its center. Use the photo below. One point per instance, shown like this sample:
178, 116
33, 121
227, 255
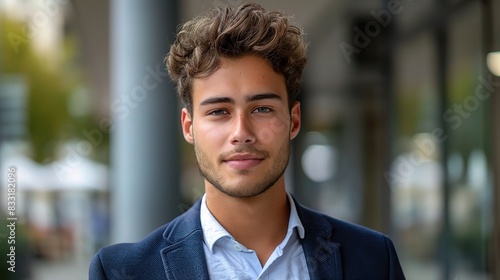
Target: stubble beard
252, 186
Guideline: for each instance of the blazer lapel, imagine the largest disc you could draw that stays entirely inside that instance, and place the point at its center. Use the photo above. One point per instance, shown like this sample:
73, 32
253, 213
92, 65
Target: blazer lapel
184, 258
323, 255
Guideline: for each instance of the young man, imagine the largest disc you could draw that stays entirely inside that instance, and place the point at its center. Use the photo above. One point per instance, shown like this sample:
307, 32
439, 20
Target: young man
238, 72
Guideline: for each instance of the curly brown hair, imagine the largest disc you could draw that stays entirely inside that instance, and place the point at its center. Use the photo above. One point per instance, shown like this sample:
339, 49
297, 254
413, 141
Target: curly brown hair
232, 32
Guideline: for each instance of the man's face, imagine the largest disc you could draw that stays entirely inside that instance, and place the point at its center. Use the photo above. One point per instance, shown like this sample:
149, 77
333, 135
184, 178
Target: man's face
241, 126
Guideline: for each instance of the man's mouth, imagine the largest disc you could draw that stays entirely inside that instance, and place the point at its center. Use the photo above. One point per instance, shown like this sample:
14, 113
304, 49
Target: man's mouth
243, 161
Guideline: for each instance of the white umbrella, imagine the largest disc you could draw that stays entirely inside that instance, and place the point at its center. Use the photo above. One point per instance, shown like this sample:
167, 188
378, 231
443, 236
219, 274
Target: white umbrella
85, 174
29, 175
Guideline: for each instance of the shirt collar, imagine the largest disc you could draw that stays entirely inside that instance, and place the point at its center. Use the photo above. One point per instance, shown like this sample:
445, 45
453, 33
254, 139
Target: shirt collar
213, 231
294, 221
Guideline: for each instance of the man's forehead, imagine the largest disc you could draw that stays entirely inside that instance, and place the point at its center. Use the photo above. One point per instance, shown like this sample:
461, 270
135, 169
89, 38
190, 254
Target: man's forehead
244, 79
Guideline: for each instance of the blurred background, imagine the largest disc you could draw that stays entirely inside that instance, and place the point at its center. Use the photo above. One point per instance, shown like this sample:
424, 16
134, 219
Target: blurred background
400, 133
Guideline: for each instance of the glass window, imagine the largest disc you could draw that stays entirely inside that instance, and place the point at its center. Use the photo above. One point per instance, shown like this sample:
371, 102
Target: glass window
416, 174
469, 90
418, 169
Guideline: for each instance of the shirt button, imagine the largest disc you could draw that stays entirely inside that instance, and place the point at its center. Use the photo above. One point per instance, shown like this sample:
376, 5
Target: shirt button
237, 247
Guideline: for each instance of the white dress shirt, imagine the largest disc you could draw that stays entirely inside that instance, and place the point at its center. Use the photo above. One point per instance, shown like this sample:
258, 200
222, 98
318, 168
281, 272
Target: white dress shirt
228, 259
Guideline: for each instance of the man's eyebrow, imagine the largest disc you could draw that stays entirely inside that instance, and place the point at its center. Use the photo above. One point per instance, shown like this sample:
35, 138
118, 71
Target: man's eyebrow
261, 96
249, 98
215, 100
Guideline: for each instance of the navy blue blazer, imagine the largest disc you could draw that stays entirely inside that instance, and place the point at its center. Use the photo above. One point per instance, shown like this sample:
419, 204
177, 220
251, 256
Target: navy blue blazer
333, 249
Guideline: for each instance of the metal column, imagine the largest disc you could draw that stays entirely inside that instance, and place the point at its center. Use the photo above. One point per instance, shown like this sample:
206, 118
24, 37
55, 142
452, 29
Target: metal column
145, 119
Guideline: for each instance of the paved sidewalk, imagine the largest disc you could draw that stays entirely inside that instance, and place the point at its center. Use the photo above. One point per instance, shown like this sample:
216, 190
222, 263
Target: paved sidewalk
64, 269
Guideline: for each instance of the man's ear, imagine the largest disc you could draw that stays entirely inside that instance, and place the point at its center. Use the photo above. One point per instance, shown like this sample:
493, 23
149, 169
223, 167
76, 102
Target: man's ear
295, 120
187, 126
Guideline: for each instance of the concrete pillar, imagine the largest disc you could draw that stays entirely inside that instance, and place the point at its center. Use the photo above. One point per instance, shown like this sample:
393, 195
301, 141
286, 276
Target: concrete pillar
145, 119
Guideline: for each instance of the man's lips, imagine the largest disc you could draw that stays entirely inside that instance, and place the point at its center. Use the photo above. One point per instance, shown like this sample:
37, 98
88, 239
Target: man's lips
243, 161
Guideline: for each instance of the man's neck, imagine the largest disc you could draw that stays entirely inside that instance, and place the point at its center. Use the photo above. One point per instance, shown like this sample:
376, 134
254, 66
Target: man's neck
259, 223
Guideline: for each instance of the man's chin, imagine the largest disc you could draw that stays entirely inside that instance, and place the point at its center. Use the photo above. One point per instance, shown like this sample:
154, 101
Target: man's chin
239, 190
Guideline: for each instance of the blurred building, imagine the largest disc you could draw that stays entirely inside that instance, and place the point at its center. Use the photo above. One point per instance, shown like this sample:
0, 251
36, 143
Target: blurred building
400, 125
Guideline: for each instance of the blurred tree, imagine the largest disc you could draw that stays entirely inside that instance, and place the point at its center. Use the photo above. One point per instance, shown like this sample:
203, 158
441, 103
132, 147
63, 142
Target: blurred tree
50, 82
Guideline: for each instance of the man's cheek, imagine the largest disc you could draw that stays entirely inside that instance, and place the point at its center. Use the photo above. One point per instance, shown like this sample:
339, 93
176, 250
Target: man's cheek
272, 130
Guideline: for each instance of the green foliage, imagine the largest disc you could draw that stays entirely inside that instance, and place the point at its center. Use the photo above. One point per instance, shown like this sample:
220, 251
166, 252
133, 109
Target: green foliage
50, 83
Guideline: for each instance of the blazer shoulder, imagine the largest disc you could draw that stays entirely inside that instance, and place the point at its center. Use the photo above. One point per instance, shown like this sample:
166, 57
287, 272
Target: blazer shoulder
365, 253
129, 259
337, 227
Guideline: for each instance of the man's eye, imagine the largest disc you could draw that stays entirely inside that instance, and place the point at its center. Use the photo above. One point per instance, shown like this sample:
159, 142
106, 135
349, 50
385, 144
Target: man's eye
262, 110
217, 112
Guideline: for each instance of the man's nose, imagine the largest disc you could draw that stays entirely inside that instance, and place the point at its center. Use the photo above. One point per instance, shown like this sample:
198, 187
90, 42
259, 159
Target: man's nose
242, 130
